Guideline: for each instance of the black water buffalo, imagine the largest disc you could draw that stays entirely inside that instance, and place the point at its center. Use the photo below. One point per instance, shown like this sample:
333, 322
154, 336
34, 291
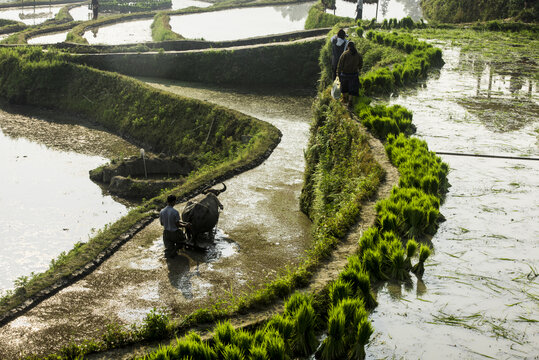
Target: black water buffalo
202, 213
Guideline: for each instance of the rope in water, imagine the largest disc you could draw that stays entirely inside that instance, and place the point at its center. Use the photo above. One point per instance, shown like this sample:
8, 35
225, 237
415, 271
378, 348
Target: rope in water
487, 156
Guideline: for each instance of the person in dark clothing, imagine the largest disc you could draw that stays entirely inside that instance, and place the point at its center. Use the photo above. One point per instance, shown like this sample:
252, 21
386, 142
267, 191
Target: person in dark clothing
348, 69
95, 9
338, 45
173, 237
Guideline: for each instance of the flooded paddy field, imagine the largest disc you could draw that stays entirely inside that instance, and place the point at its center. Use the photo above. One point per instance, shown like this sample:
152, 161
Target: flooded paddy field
30, 15
48, 201
232, 24
260, 232
48, 39
479, 297
387, 9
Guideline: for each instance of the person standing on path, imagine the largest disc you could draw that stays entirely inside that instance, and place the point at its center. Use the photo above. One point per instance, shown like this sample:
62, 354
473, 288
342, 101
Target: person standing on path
348, 69
173, 238
338, 45
359, 10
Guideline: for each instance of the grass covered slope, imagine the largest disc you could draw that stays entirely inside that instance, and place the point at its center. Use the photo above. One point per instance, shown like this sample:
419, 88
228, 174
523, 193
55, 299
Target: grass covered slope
217, 139
456, 11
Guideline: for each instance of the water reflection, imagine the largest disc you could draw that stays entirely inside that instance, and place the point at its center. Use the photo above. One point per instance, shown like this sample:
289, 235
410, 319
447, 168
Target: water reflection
243, 23
48, 204
81, 13
122, 33
48, 39
476, 299
30, 15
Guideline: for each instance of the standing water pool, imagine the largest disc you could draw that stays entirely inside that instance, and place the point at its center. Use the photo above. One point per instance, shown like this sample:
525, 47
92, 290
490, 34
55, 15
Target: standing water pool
48, 202
479, 297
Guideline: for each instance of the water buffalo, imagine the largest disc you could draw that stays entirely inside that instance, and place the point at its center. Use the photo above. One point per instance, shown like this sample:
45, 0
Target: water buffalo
202, 213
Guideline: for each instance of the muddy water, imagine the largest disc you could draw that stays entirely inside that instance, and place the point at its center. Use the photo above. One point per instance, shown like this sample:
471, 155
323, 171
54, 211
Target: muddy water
48, 202
264, 203
479, 295
30, 15
260, 231
387, 9
236, 24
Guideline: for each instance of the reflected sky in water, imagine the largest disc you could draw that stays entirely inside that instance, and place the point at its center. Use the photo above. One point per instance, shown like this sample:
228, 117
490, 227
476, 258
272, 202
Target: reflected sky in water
47, 204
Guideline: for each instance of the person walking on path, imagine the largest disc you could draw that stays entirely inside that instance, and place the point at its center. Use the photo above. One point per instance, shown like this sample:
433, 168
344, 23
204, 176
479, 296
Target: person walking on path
348, 69
338, 45
173, 237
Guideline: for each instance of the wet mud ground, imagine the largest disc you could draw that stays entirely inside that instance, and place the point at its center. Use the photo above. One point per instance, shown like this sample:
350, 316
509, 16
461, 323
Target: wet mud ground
260, 232
479, 297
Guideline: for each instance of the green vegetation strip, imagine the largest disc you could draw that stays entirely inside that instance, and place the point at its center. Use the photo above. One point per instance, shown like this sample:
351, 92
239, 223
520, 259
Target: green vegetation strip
219, 141
161, 29
125, 6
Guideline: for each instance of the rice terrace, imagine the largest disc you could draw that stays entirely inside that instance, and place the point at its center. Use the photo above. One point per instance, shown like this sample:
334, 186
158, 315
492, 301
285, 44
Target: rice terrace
269, 179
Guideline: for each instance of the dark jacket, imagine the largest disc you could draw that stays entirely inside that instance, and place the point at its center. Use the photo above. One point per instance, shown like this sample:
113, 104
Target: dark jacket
349, 64
336, 51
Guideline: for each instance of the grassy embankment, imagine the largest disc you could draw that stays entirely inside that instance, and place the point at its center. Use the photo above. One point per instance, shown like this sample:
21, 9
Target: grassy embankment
340, 173
210, 135
454, 11
161, 30
290, 65
9, 26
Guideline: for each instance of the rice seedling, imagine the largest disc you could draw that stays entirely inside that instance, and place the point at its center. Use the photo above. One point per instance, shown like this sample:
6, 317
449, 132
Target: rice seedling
284, 326
232, 352
419, 268
398, 270
338, 290
354, 311
258, 352
275, 345
360, 339
411, 248
333, 346
369, 240
295, 302
361, 285
304, 339
243, 340
372, 262
192, 348
223, 335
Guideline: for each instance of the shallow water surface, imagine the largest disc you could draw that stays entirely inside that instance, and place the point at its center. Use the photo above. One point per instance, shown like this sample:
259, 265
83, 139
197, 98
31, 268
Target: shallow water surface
243, 23
387, 9
48, 201
479, 294
81, 13
128, 32
30, 15
48, 204
49, 38
182, 4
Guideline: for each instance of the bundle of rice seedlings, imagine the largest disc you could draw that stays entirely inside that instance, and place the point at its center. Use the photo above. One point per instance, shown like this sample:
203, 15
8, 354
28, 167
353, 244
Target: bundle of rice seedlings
411, 248
388, 222
333, 346
339, 290
275, 345
398, 270
354, 310
372, 262
258, 352
415, 219
232, 352
354, 263
259, 336
362, 336
223, 335
304, 339
243, 340
369, 240
419, 268
284, 326
364, 287
193, 349
295, 302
